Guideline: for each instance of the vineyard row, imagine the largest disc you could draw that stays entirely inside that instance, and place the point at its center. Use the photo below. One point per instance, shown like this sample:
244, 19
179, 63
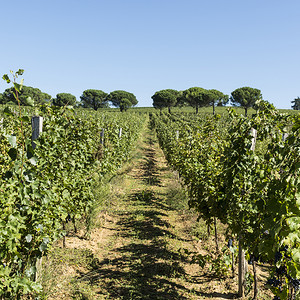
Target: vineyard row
253, 190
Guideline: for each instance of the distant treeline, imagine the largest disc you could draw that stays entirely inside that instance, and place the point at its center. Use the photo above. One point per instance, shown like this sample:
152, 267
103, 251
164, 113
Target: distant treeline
196, 97
91, 98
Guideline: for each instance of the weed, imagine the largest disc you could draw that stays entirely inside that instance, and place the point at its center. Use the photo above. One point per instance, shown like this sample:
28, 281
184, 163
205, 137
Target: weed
83, 291
176, 197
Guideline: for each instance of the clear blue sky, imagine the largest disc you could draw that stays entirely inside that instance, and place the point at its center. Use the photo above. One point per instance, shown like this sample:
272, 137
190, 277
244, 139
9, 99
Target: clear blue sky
143, 46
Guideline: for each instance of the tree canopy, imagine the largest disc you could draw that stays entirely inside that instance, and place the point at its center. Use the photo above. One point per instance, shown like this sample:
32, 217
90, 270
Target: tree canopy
94, 99
64, 99
296, 103
125, 104
196, 97
165, 98
245, 97
27, 95
215, 97
122, 99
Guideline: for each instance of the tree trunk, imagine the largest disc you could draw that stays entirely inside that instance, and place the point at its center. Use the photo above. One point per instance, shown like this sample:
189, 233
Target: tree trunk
246, 111
213, 107
74, 224
232, 266
197, 108
255, 280
216, 234
64, 237
169, 109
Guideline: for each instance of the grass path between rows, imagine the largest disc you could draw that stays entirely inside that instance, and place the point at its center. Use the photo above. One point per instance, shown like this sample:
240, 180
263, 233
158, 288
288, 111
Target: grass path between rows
142, 243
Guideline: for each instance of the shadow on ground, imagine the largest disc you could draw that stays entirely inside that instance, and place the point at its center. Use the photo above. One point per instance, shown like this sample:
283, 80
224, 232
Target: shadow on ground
150, 171
144, 268
140, 265
149, 198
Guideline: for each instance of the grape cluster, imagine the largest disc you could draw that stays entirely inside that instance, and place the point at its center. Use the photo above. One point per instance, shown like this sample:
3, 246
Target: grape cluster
295, 283
68, 218
274, 282
278, 282
253, 258
282, 270
285, 249
278, 257
230, 242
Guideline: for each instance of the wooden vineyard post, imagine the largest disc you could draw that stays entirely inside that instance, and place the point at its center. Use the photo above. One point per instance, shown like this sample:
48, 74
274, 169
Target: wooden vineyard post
102, 136
38, 267
120, 132
242, 270
254, 136
177, 135
284, 136
242, 260
37, 128
1, 122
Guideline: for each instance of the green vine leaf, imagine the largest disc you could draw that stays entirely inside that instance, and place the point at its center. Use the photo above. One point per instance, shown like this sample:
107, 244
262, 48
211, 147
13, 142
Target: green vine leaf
12, 139
8, 111
28, 238
13, 153
20, 72
6, 78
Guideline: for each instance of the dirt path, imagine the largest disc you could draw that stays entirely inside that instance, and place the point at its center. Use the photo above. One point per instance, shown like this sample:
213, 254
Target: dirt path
144, 242
143, 259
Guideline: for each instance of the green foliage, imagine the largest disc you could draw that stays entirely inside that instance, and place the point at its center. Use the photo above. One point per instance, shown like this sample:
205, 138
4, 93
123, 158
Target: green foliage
165, 98
94, 99
43, 188
24, 95
245, 97
219, 264
4, 149
64, 99
196, 97
296, 104
215, 97
117, 98
262, 104
125, 104
248, 283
